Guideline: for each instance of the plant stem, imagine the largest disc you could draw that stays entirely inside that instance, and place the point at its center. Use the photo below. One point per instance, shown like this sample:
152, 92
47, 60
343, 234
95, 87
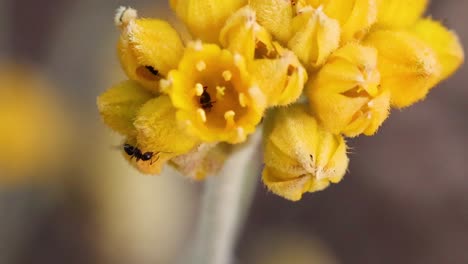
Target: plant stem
225, 203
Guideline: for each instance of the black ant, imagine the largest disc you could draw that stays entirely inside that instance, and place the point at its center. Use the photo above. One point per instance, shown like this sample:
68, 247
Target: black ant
205, 100
136, 152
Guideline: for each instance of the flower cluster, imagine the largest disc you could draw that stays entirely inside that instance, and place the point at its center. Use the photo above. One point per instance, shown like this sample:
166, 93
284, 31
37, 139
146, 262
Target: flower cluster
311, 72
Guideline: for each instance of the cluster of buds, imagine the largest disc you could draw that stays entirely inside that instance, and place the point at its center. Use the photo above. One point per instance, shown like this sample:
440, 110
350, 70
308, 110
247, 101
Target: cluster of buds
311, 72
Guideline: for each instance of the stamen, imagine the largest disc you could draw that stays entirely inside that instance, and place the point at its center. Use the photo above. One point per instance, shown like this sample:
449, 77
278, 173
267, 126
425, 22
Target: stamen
369, 115
229, 116
201, 114
227, 75
240, 133
242, 100
164, 84
201, 65
220, 92
199, 89
196, 45
370, 104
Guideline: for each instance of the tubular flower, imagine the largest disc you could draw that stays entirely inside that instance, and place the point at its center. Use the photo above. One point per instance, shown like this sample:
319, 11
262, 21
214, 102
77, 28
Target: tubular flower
346, 62
315, 36
345, 95
408, 67
148, 48
444, 42
355, 16
205, 18
213, 93
282, 79
299, 155
242, 34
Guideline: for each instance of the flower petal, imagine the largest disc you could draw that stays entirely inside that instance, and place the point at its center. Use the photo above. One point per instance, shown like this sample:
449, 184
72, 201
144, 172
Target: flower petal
408, 66
205, 18
119, 105
276, 16
399, 13
443, 41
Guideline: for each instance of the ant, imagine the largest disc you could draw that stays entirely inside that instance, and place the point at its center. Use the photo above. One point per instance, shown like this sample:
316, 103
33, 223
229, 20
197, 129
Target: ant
136, 152
205, 100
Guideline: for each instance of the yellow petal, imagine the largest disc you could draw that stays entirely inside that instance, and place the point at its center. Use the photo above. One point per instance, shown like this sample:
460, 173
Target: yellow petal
345, 96
355, 16
299, 155
218, 101
242, 34
205, 18
399, 13
281, 79
443, 41
408, 66
315, 37
148, 49
119, 105
276, 16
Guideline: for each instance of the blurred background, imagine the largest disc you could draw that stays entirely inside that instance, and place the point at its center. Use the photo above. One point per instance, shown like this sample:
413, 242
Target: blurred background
67, 195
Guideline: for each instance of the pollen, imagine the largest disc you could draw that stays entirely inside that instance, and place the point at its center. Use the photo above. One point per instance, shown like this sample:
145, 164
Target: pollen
242, 100
201, 114
201, 66
199, 89
227, 75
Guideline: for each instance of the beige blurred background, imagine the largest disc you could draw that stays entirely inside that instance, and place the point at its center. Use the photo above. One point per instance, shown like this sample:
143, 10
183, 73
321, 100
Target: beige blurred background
69, 197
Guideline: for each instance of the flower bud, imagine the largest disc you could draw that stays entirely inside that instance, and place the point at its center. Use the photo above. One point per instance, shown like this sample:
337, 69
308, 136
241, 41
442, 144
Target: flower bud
119, 105
205, 18
242, 34
299, 155
315, 37
345, 95
281, 79
148, 49
443, 41
408, 66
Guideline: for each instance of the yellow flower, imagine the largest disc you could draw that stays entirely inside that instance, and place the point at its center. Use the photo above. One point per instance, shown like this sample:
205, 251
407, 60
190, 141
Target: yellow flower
345, 95
214, 95
119, 105
242, 34
299, 155
444, 42
315, 37
354, 16
205, 18
399, 13
281, 79
408, 66
148, 48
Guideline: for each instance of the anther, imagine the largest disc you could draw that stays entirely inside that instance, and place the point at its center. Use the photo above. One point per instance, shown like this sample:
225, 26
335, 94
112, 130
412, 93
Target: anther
242, 100
201, 65
199, 89
227, 75
229, 116
201, 113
